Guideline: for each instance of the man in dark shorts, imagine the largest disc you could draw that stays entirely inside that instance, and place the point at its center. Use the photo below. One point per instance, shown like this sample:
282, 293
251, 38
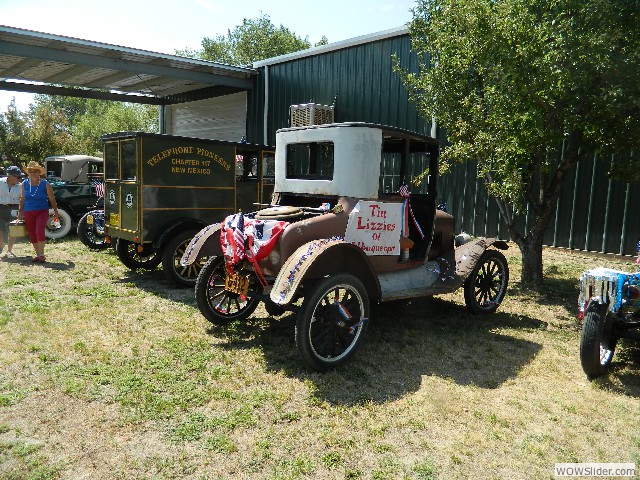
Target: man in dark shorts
9, 201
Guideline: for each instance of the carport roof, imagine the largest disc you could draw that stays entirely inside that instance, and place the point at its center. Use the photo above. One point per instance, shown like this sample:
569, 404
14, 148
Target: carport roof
57, 65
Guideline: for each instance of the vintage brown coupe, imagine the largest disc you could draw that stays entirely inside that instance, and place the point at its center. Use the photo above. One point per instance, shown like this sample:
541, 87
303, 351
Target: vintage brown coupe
353, 220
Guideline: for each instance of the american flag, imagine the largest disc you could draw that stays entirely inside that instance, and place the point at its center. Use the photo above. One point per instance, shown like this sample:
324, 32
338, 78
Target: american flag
238, 237
407, 210
245, 237
99, 186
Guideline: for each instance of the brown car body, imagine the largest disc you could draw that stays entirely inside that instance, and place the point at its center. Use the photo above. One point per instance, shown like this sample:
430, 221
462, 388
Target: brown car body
338, 187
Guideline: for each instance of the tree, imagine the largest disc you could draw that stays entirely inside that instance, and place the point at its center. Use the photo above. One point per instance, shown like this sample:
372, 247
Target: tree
253, 40
56, 125
529, 88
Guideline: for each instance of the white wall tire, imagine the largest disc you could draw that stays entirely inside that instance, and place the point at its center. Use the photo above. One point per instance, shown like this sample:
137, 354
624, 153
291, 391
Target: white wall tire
56, 232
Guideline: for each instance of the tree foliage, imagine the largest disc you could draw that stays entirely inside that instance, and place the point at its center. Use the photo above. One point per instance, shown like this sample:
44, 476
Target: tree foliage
253, 40
529, 88
55, 125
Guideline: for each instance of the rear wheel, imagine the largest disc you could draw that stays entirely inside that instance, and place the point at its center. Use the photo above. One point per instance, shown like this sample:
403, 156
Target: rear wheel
485, 288
171, 256
55, 230
134, 258
597, 343
332, 321
217, 304
92, 233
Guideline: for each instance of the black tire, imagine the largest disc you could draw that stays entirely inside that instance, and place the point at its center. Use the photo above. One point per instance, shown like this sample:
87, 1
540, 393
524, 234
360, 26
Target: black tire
325, 336
55, 232
92, 235
597, 343
171, 256
218, 305
486, 287
128, 254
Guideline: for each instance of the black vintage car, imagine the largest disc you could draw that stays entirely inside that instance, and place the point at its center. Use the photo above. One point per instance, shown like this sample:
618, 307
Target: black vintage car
76, 181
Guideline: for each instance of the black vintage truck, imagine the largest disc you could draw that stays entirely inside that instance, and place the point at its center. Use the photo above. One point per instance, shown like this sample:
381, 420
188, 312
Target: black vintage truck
160, 190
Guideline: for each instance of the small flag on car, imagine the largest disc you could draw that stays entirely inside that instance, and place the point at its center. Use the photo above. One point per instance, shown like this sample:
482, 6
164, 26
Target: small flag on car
99, 186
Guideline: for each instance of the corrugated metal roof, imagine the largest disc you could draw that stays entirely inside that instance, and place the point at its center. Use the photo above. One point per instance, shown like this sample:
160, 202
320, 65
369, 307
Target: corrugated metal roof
61, 65
351, 42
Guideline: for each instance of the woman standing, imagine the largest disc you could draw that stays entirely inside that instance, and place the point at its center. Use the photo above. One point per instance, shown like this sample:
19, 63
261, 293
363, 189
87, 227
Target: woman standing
34, 207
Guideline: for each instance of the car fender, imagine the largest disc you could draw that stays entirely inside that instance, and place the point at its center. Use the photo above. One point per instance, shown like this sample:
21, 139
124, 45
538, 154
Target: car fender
205, 243
468, 255
319, 258
174, 228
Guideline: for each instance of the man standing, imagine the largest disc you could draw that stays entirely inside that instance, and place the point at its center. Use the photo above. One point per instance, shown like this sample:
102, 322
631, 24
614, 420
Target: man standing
9, 201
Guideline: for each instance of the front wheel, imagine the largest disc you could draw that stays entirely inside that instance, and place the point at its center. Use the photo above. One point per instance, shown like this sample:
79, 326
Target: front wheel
135, 256
597, 343
332, 321
217, 304
485, 288
60, 228
171, 256
91, 230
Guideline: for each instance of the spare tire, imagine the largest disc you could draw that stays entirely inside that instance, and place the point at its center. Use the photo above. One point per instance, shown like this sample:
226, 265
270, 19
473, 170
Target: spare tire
279, 213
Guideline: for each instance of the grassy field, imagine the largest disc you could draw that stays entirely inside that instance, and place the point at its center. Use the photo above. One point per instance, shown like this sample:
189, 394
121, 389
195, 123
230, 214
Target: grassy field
112, 374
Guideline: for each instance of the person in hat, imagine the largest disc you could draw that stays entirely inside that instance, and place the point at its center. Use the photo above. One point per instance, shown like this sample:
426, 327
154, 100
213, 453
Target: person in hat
34, 207
9, 199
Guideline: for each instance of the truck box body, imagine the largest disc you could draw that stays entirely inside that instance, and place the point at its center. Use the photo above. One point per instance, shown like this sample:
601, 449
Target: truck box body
155, 181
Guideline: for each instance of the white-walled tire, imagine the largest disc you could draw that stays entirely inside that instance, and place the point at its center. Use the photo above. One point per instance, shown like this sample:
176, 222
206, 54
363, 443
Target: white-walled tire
55, 232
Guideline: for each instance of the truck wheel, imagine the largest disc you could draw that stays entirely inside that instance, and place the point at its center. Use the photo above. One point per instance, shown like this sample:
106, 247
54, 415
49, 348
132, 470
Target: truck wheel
597, 343
218, 305
171, 256
92, 234
55, 232
128, 254
332, 321
485, 288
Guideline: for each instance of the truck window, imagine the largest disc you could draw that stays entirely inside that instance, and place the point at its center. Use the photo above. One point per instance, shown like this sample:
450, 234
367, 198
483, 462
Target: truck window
311, 161
111, 160
128, 160
269, 165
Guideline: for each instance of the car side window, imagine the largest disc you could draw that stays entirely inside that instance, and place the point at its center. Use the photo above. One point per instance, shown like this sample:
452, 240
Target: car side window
390, 173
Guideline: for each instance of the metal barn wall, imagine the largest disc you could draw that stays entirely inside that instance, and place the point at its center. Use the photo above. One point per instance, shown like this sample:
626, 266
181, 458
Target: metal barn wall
360, 77
593, 212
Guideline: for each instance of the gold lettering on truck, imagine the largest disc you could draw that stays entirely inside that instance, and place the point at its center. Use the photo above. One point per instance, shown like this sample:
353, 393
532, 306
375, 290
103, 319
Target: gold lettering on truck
203, 152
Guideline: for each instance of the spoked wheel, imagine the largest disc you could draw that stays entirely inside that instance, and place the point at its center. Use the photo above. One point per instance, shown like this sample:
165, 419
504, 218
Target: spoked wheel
332, 321
172, 255
91, 230
219, 305
485, 288
129, 254
58, 229
597, 343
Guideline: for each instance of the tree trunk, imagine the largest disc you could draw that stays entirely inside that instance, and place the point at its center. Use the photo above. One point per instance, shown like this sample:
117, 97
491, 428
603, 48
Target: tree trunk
531, 252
